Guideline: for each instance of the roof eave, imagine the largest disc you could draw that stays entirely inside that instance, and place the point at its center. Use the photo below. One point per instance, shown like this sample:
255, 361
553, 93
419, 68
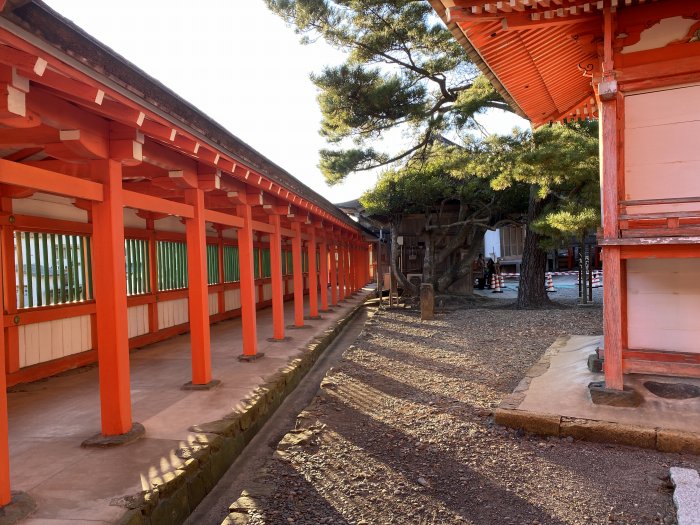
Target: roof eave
476, 58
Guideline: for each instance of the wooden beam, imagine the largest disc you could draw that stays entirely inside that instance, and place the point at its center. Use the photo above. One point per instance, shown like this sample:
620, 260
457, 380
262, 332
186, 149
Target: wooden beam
226, 219
48, 181
140, 201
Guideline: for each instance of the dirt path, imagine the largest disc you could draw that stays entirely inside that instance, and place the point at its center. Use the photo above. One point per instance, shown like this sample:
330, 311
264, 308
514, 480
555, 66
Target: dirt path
402, 432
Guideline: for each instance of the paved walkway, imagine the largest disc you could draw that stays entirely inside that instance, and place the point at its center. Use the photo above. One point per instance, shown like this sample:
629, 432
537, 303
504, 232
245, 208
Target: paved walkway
49, 419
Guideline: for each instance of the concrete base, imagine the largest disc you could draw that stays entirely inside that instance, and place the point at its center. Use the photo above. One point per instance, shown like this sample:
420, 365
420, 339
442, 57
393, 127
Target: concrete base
295, 327
208, 386
283, 340
312, 317
600, 395
102, 441
553, 399
251, 358
21, 506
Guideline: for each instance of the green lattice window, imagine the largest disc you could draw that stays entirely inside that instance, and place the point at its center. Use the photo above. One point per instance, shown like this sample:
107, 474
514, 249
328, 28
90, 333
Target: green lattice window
232, 271
52, 269
212, 264
266, 270
287, 264
256, 263
304, 261
172, 265
137, 266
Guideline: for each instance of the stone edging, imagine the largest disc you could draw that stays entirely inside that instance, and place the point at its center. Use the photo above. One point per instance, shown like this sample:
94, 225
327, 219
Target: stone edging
215, 445
662, 439
250, 498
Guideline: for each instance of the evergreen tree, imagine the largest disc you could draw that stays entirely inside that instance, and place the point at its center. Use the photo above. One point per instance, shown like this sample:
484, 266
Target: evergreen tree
404, 70
560, 164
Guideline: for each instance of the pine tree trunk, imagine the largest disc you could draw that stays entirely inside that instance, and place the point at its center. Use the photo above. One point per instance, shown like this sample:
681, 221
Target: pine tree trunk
532, 292
394, 262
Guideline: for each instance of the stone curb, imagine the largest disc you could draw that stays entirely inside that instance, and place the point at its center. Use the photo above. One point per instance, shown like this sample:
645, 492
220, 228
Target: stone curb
250, 498
508, 415
214, 446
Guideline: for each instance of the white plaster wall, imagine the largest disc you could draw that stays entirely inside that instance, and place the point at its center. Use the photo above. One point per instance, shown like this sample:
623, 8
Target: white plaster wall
232, 299
138, 320
663, 304
49, 206
267, 291
213, 303
170, 224
662, 147
132, 220
172, 313
41, 342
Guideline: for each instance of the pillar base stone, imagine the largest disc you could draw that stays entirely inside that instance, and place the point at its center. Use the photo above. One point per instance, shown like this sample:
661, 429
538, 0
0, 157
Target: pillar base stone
600, 395
102, 441
283, 340
251, 358
21, 505
206, 386
295, 327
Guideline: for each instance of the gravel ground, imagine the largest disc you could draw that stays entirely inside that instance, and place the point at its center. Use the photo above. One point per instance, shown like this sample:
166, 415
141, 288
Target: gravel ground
402, 432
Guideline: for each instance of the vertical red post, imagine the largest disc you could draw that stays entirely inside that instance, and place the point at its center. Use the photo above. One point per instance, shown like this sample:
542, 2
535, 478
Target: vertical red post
313, 274
276, 278
612, 286
298, 276
5, 496
341, 270
152, 275
221, 295
110, 300
248, 306
198, 289
11, 333
323, 256
334, 274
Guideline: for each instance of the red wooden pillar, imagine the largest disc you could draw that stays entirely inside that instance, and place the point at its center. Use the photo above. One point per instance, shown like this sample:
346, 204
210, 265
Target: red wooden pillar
298, 276
612, 277
221, 294
323, 256
613, 317
110, 300
348, 280
5, 496
11, 335
248, 306
341, 270
334, 273
198, 290
276, 278
152, 275
313, 274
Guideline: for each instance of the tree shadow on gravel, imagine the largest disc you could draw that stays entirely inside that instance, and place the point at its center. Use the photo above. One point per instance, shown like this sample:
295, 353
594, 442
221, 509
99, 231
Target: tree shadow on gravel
296, 498
462, 490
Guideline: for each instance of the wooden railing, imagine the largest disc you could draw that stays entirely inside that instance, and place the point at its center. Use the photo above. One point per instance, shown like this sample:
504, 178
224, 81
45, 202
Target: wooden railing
675, 223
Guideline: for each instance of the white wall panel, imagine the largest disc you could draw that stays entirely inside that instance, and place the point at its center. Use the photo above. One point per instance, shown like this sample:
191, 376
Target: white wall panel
138, 320
172, 313
41, 342
213, 303
232, 299
663, 304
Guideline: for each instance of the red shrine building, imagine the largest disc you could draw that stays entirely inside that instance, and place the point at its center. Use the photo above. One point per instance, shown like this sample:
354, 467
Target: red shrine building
635, 65
127, 217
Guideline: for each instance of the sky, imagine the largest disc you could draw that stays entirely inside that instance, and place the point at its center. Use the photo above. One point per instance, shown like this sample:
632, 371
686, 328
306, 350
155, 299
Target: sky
242, 66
